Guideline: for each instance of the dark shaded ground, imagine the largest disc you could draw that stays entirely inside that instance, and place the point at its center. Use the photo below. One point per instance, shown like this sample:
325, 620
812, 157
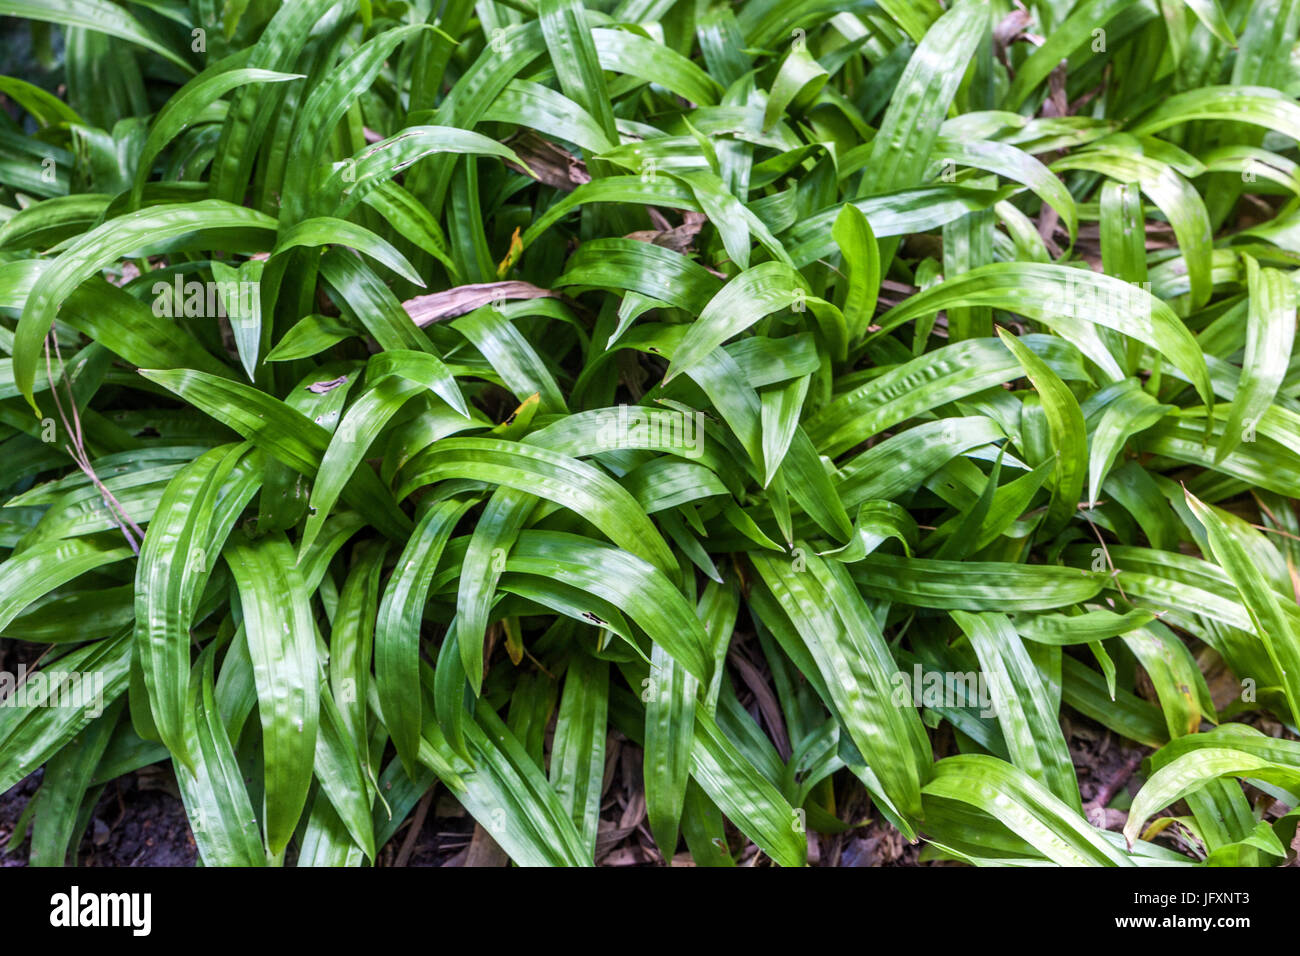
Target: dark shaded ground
140, 821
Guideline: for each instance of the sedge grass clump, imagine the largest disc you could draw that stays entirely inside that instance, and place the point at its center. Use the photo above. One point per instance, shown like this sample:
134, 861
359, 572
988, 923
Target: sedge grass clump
812, 398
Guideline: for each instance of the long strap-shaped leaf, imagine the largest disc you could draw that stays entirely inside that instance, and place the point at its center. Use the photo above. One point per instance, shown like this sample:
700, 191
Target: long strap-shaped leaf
1277, 630
566, 481
397, 630
187, 105
98, 15
327, 104
1270, 338
627, 583
216, 799
750, 800
283, 433
669, 695
282, 642
1067, 433
506, 793
106, 244
1023, 805
922, 97
1025, 711
485, 559
1194, 769
53, 709
974, 585
578, 752
176, 559
1069, 301
854, 662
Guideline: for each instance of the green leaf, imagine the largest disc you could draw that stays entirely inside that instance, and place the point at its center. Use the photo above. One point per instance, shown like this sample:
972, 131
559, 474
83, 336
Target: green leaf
177, 557
1275, 629
1270, 336
861, 257
851, 655
1025, 710
566, 481
1025, 807
192, 223
397, 630
1068, 433
97, 15
282, 643
506, 793
748, 798
921, 99
578, 751
1069, 301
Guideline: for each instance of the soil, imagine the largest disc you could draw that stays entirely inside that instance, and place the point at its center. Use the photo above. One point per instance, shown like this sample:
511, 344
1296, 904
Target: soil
140, 821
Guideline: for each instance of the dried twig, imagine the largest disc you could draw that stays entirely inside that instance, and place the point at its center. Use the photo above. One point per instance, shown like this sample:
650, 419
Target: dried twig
77, 450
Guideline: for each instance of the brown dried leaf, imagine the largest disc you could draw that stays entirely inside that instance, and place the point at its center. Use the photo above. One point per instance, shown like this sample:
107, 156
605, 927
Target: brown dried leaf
320, 388
553, 165
677, 238
450, 303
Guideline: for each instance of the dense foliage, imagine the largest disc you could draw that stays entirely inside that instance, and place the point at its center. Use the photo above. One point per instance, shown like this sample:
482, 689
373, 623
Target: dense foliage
818, 393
